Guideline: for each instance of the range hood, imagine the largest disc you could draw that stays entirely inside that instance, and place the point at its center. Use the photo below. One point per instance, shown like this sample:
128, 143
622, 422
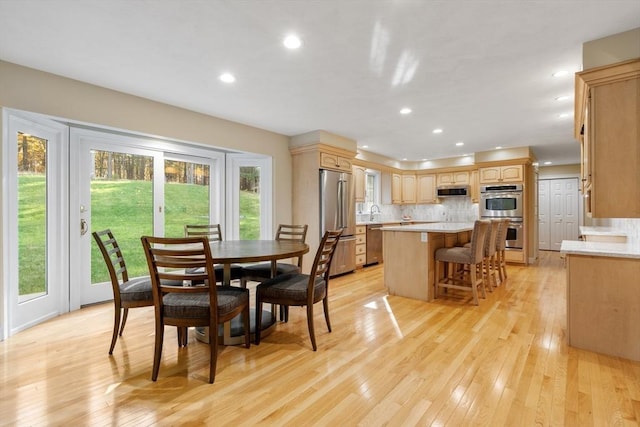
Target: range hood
453, 190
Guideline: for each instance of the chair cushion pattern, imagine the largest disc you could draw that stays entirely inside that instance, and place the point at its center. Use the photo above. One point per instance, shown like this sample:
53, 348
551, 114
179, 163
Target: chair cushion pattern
292, 287
237, 271
138, 289
196, 306
456, 254
263, 269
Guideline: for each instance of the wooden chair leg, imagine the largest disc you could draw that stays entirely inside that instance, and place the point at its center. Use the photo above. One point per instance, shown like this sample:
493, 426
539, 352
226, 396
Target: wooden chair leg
246, 317
258, 320
312, 333
125, 314
157, 352
213, 352
474, 284
325, 304
436, 279
116, 327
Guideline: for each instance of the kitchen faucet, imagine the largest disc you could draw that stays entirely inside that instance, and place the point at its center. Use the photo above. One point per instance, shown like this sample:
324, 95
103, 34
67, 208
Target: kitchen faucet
377, 209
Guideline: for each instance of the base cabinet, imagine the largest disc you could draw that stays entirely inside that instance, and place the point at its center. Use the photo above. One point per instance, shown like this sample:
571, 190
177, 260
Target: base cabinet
603, 300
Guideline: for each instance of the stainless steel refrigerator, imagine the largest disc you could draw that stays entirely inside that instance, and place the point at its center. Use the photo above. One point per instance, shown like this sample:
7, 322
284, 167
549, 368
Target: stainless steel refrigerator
337, 212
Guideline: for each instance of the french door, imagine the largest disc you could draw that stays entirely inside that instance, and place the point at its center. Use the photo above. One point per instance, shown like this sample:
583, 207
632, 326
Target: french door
134, 188
35, 209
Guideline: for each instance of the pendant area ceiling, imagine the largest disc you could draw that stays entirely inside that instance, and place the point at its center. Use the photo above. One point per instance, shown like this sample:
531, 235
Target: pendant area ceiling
479, 70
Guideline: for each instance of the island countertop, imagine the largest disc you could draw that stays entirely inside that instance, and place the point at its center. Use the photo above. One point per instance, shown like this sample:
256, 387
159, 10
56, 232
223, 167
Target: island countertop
434, 227
604, 249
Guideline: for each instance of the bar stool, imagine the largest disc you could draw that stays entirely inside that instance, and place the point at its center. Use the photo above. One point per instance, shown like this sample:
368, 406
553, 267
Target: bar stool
501, 244
490, 254
471, 259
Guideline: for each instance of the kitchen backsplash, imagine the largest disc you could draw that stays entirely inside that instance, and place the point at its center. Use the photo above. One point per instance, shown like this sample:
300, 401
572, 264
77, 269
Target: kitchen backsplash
630, 225
452, 209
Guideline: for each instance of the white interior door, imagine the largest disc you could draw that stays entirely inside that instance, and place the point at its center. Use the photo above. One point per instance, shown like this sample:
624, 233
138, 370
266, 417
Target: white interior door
35, 209
564, 211
544, 229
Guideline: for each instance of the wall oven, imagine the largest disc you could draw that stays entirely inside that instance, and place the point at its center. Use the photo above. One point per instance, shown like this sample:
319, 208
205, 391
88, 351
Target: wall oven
515, 234
500, 201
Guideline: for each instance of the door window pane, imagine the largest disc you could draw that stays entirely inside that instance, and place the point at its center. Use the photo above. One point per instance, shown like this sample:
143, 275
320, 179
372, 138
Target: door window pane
122, 200
32, 216
186, 196
249, 220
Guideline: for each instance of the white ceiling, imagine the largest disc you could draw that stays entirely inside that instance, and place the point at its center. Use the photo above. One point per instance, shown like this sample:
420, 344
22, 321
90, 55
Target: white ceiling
480, 70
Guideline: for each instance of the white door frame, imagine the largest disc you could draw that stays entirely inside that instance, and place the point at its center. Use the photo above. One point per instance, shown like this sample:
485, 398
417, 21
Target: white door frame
17, 316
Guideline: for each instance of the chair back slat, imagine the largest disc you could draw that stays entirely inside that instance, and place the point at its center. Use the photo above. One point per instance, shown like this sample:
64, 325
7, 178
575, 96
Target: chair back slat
297, 233
113, 258
324, 256
211, 231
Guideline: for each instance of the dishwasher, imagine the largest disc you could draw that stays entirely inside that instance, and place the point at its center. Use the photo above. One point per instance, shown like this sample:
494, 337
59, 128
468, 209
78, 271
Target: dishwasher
374, 244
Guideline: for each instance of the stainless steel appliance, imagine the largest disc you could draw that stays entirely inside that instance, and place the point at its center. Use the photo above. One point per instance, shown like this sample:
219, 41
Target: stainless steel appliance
452, 190
499, 201
514, 234
337, 212
374, 244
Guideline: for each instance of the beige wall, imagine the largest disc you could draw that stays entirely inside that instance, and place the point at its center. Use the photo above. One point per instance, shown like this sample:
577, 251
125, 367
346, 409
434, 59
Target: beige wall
35, 91
609, 50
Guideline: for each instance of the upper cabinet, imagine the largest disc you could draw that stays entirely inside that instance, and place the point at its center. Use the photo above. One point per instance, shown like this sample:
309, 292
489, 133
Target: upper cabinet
409, 188
475, 186
396, 188
607, 120
359, 179
335, 162
453, 178
426, 189
499, 174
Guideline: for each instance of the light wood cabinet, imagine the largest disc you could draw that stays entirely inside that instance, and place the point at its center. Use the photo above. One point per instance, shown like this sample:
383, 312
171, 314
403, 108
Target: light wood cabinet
603, 296
608, 126
474, 182
361, 245
453, 178
501, 174
426, 191
335, 162
359, 180
396, 188
408, 188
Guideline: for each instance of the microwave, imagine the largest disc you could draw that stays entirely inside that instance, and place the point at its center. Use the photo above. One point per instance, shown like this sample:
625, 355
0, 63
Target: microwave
452, 190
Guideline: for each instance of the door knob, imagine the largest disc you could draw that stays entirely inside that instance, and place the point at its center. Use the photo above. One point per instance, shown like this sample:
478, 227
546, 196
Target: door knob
83, 227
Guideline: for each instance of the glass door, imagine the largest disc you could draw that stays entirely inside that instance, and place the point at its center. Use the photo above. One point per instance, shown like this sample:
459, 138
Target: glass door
35, 208
127, 186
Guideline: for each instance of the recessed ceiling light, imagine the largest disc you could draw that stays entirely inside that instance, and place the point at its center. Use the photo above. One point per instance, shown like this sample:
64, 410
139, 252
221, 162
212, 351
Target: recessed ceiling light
562, 98
560, 73
227, 78
405, 110
292, 41
498, 148
424, 160
548, 163
404, 158
564, 115
437, 130
460, 144
365, 146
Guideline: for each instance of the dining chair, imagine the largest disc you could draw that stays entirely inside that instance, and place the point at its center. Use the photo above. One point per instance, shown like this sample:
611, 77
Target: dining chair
298, 289
262, 271
196, 300
471, 258
127, 293
489, 271
214, 234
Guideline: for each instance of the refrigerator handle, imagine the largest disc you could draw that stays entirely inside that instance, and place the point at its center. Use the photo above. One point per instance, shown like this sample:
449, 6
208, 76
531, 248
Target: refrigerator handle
340, 204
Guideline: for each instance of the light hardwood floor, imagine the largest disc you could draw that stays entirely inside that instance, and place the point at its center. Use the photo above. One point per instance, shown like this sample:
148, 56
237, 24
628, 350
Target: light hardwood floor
388, 361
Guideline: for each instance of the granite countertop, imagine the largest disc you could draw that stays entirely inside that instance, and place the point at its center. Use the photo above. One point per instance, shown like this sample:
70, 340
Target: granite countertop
398, 221
605, 249
434, 227
601, 231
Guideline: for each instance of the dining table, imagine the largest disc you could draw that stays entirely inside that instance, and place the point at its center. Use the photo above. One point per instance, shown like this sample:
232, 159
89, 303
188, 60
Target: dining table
228, 252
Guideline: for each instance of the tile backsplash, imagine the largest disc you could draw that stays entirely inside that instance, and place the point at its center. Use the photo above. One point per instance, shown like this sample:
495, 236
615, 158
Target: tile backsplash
630, 225
452, 209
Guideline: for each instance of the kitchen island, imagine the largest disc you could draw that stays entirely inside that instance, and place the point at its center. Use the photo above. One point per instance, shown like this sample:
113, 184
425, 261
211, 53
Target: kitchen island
409, 255
603, 297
